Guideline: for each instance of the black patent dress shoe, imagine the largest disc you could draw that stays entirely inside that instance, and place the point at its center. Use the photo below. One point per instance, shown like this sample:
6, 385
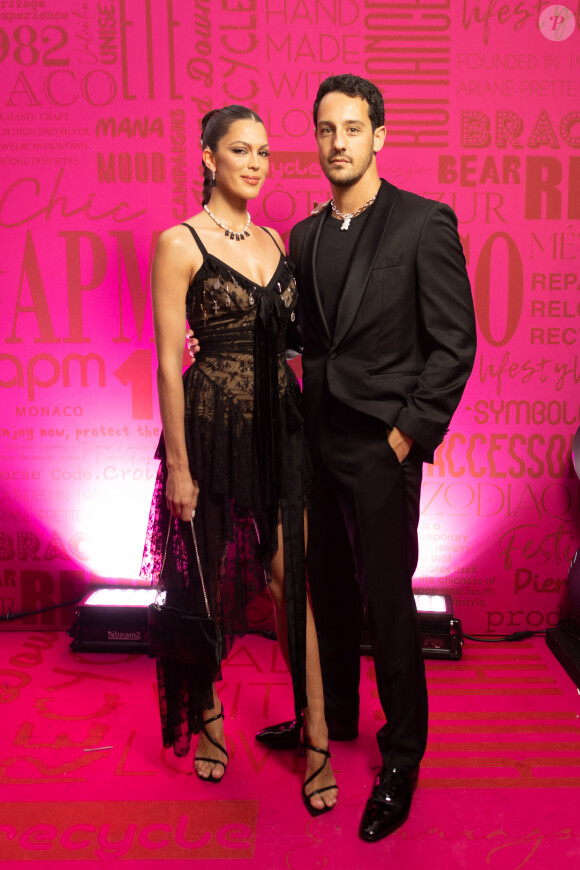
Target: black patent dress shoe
286, 735
389, 804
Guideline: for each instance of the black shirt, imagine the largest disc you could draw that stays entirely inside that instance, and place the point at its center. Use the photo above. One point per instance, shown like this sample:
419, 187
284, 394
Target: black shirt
336, 248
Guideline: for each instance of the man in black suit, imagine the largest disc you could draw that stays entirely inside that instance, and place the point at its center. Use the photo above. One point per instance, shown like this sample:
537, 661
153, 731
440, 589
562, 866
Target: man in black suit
388, 334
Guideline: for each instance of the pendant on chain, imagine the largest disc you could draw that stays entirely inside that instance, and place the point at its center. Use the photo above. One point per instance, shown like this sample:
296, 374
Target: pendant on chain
346, 218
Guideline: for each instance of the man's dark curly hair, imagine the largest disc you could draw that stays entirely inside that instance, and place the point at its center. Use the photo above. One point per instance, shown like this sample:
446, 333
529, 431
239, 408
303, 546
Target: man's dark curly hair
353, 86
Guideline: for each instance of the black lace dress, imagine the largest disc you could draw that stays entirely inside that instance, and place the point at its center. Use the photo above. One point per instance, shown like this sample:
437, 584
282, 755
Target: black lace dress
247, 452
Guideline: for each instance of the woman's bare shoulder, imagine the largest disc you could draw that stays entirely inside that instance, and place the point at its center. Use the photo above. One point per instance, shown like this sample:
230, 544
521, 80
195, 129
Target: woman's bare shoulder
177, 243
179, 233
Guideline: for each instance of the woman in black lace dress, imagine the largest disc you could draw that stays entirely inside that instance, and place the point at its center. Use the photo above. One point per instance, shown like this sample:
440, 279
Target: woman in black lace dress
232, 451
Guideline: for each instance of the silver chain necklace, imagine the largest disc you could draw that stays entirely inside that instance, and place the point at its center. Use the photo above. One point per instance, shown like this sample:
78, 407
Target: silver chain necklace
346, 218
231, 234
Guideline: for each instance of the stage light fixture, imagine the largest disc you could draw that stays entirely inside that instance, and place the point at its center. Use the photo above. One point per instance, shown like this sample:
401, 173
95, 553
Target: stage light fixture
115, 619
441, 633
112, 620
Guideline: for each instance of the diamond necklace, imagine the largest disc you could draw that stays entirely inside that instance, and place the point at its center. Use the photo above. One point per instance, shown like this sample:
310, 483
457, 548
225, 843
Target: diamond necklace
231, 234
346, 218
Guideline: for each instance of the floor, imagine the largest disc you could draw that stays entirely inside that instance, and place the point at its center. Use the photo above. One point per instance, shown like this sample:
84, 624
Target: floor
83, 776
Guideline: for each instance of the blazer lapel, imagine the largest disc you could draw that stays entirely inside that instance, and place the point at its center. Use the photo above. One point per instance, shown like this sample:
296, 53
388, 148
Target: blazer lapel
362, 261
308, 257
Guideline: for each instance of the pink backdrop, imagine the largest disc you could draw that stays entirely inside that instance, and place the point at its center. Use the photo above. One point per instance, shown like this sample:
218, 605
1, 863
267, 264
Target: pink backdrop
100, 103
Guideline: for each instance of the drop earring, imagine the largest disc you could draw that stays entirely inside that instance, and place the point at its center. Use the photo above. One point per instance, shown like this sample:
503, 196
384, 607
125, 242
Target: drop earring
213, 181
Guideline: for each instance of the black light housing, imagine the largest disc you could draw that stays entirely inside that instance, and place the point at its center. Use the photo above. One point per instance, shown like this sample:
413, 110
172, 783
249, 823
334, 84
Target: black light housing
441, 633
112, 619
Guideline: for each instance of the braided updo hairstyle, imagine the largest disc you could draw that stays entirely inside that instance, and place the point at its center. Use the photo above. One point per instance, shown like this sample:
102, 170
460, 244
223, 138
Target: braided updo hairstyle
215, 125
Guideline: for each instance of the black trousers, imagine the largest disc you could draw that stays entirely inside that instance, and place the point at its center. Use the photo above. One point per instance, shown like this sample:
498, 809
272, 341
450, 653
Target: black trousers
362, 552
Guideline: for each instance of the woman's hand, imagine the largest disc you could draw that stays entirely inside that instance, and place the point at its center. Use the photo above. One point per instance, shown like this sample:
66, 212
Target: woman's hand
181, 493
192, 344
317, 207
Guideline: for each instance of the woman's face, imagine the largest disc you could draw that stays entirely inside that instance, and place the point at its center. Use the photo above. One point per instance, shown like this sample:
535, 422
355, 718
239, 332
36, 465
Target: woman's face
241, 159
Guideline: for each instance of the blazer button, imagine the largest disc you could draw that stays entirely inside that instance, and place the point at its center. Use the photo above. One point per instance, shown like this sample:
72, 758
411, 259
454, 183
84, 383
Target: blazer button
332, 355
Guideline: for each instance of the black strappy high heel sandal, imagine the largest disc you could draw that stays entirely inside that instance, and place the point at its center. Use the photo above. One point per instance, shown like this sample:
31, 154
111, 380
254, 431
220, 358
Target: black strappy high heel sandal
217, 745
316, 811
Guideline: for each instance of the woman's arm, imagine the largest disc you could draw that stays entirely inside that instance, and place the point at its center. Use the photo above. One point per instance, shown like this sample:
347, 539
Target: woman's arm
171, 275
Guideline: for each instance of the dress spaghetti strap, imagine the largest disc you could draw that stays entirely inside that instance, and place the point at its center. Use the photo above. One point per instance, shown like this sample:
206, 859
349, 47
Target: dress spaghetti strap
198, 241
266, 230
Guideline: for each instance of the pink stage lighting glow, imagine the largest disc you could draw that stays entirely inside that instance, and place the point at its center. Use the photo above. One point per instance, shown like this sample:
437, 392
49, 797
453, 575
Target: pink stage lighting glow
121, 598
431, 603
86, 188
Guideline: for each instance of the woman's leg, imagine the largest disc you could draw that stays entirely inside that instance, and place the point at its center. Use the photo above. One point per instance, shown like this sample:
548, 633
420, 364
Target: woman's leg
206, 749
316, 728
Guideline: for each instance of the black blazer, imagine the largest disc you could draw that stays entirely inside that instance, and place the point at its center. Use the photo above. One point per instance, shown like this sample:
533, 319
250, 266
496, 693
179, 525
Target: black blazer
405, 336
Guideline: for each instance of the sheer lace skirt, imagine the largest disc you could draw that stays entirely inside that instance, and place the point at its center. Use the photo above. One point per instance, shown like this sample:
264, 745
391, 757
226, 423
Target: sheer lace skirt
236, 529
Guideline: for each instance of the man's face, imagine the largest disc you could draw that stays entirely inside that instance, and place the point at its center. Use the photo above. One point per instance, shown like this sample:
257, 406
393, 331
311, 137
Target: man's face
345, 138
